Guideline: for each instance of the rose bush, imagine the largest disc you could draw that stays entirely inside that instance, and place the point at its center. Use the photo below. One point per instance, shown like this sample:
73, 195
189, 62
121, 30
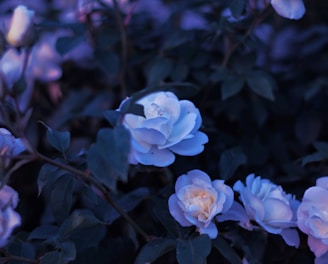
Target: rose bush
9, 219
268, 205
312, 217
169, 125
197, 200
9, 147
20, 26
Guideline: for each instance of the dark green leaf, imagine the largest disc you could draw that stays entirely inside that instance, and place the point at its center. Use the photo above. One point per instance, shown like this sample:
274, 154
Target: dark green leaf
180, 71
322, 147
108, 61
44, 232
154, 249
159, 70
68, 250
22, 249
194, 251
176, 39
231, 86
108, 157
230, 160
236, 7
48, 175
261, 84
113, 116
54, 257
315, 157
226, 250
57, 139
61, 197
65, 44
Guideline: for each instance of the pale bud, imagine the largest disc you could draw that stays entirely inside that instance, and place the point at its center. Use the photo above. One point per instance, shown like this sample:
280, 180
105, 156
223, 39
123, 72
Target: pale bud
21, 27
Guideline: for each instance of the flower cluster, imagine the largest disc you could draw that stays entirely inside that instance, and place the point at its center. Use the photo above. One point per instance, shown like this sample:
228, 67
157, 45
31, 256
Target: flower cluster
9, 219
169, 126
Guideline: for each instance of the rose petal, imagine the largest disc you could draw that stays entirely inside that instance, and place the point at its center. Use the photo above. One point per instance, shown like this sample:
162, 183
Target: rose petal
176, 211
149, 135
316, 246
197, 175
160, 158
322, 182
291, 237
292, 9
191, 146
276, 210
211, 230
223, 188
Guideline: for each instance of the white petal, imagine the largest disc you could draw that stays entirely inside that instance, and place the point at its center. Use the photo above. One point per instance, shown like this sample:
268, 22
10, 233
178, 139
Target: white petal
148, 135
191, 146
292, 9
159, 158
176, 211
291, 237
211, 230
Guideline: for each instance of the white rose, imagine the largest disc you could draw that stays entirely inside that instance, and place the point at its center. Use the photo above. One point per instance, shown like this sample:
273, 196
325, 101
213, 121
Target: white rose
9, 147
169, 126
268, 205
9, 219
20, 26
312, 218
197, 200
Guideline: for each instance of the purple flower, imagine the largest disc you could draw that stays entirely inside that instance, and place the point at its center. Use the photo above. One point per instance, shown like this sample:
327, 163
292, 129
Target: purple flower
312, 217
266, 204
169, 126
9, 219
197, 200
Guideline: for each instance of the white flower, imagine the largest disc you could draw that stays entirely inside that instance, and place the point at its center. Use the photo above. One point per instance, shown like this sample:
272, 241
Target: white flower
292, 9
9, 147
268, 205
20, 26
197, 200
9, 219
168, 126
312, 217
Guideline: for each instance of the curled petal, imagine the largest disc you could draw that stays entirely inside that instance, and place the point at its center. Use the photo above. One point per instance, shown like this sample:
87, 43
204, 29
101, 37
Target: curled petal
191, 146
291, 237
211, 230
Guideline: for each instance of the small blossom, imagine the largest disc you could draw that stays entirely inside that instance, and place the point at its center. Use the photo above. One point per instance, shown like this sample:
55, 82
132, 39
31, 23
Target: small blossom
169, 125
9, 147
266, 204
9, 219
312, 218
197, 200
20, 26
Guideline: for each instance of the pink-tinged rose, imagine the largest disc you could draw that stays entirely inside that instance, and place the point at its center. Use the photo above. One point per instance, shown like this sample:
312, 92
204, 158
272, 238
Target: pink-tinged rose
197, 200
9, 147
9, 219
20, 26
312, 217
268, 205
169, 126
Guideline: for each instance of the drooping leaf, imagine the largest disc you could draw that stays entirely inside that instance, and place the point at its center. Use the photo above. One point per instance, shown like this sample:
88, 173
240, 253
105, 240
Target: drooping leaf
61, 197
194, 251
231, 85
261, 83
230, 160
154, 249
108, 157
226, 250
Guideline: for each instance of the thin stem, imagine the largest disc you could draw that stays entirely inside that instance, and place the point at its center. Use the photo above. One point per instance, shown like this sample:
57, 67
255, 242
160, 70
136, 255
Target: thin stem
124, 50
85, 177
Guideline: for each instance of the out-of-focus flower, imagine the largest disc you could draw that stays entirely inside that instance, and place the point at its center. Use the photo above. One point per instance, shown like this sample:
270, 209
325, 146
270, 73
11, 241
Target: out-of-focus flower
197, 200
9, 219
169, 126
268, 205
21, 26
292, 9
11, 67
312, 218
9, 147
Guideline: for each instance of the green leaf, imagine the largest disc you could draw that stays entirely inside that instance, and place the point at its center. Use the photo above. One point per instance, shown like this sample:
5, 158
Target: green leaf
230, 160
61, 197
44, 232
113, 116
194, 251
261, 84
322, 147
48, 175
176, 39
236, 7
53, 257
226, 250
231, 86
108, 157
108, 61
154, 249
57, 139
67, 43
159, 70
180, 71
